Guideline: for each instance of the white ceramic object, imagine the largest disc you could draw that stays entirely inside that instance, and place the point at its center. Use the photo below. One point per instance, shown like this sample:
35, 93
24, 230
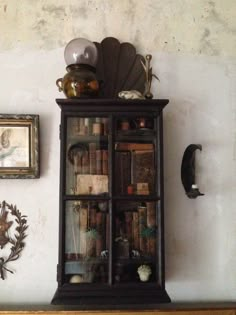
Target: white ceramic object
133, 94
76, 279
144, 272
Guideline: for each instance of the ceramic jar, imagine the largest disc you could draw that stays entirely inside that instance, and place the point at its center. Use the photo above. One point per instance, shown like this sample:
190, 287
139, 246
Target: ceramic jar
79, 82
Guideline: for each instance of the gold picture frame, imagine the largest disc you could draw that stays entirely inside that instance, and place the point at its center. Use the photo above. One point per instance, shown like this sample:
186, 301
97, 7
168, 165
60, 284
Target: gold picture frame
19, 146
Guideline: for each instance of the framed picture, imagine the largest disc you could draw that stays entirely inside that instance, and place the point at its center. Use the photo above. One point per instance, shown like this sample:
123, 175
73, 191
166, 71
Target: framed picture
19, 146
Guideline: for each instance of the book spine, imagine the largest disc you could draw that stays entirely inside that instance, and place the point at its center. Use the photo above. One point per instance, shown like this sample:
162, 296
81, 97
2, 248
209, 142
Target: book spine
151, 223
85, 163
142, 221
92, 158
81, 127
101, 230
91, 240
83, 224
105, 125
77, 164
105, 162
128, 227
151, 214
122, 171
98, 162
135, 230
107, 231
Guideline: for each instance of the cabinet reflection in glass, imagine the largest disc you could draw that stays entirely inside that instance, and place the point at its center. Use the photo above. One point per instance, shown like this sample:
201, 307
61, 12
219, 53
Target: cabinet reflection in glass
87, 241
87, 156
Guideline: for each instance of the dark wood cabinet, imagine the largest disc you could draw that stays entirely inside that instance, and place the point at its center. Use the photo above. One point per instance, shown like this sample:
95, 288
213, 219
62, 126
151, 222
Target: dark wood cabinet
111, 236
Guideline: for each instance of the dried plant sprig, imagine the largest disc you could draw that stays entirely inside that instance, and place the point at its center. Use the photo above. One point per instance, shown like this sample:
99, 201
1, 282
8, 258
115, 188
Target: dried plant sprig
18, 240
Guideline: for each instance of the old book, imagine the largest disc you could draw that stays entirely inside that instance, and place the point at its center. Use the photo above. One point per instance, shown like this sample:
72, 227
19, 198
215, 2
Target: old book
128, 227
151, 224
91, 235
135, 231
105, 162
81, 126
122, 171
74, 126
143, 170
105, 125
85, 163
92, 158
142, 224
83, 224
151, 214
91, 184
107, 231
101, 232
77, 164
98, 162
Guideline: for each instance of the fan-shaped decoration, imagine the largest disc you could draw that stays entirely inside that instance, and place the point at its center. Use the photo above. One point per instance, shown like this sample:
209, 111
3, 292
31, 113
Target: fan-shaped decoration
119, 68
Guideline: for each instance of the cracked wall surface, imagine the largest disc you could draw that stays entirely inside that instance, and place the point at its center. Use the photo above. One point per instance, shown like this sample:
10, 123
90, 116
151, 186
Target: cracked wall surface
187, 26
194, 55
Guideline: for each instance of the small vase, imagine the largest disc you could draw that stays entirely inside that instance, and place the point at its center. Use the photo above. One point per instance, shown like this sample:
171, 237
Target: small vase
79, 82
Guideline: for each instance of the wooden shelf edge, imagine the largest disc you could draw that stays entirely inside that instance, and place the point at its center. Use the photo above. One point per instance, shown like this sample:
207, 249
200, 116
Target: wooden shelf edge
163, 309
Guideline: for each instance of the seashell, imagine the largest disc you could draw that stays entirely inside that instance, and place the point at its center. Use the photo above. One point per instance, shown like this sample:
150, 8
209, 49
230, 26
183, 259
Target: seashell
133, 94
119, 68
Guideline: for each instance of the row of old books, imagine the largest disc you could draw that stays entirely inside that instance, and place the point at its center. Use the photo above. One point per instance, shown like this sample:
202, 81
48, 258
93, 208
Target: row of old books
140, 229
89, 126
98, 160
93, 161
134, 166
94, 232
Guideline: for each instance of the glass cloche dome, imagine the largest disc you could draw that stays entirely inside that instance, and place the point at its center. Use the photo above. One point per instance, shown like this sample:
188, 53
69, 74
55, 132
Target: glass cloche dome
81, 51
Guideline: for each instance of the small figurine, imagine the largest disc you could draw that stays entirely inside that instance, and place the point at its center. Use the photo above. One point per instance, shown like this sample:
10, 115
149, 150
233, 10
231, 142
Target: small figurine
104, 254
144, 272
149, 76
135, 253
132, 94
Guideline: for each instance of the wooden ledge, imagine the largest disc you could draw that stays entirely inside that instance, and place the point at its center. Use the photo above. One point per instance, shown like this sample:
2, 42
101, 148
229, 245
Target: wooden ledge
164, 309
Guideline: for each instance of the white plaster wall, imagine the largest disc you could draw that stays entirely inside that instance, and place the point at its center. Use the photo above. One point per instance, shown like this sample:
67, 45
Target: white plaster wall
194, 48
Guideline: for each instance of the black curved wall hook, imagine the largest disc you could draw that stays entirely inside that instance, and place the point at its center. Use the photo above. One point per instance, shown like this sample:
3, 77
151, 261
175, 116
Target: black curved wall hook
188, 171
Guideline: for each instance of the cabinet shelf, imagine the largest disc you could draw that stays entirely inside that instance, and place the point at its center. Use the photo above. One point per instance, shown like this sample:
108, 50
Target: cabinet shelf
135, 138
87, 139
136, 198
136, 261
101, 197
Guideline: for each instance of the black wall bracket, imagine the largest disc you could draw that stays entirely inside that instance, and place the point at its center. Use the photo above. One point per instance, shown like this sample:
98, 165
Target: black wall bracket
188, 171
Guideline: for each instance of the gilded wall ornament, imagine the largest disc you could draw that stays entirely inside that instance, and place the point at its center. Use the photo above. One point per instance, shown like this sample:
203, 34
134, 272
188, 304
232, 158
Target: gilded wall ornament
16, 243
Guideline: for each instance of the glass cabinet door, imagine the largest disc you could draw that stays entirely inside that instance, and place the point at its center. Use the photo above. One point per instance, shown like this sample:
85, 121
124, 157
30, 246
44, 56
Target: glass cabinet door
135, 156
86, 241
136, 216
87, 156
86, 220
